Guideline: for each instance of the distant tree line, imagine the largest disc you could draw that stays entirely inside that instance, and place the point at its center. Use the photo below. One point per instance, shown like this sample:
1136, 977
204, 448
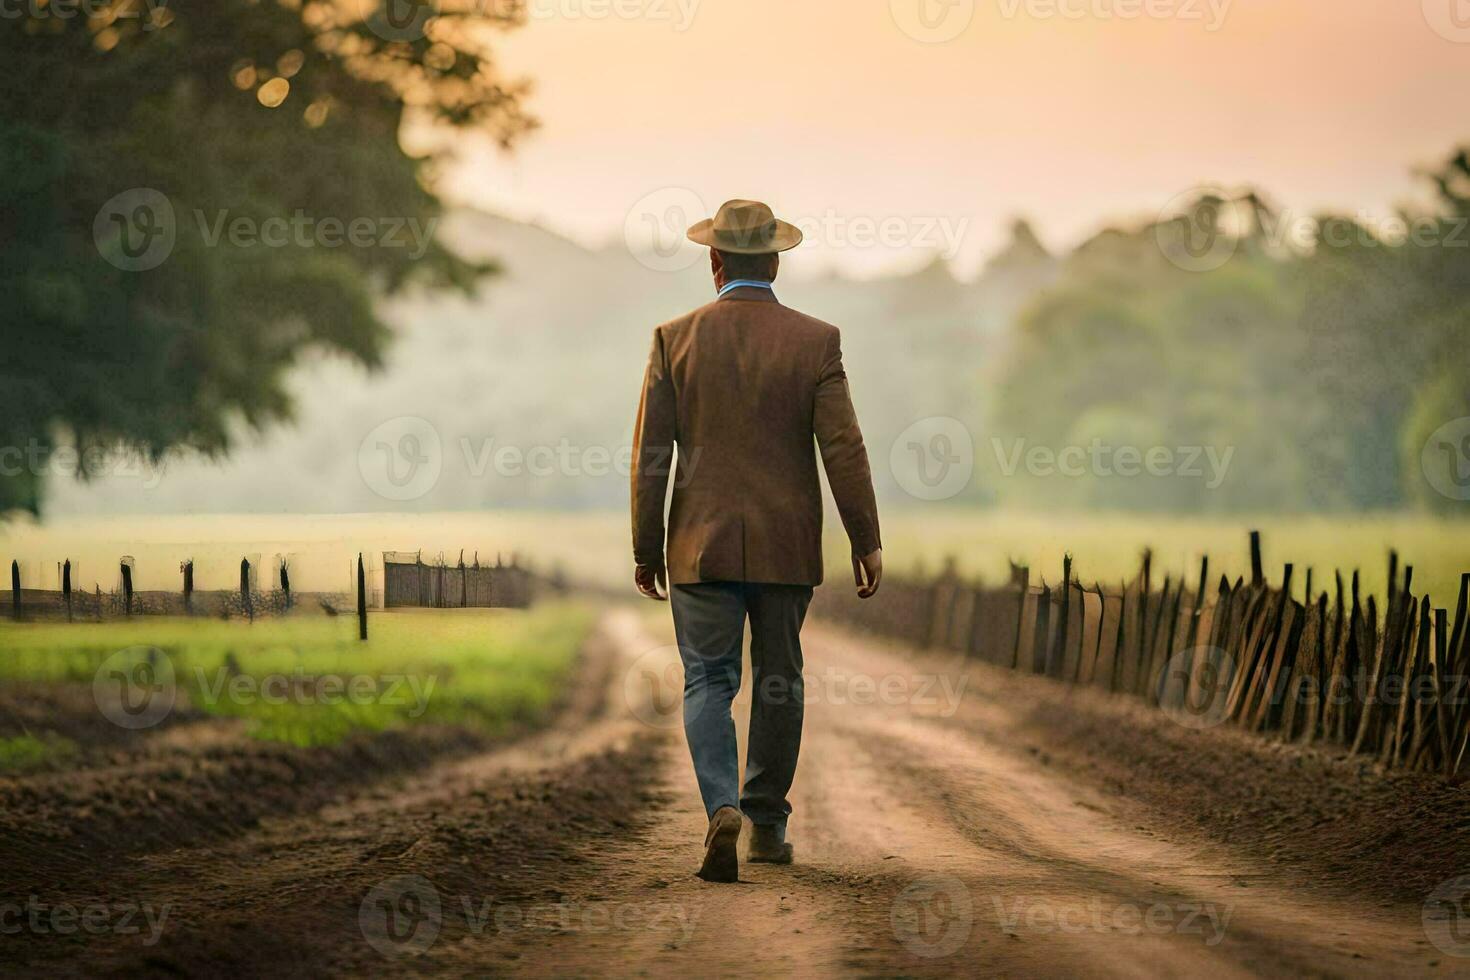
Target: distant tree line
1321, 353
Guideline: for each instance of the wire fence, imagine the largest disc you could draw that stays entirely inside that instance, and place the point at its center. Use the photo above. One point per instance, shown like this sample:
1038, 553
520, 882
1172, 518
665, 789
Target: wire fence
408, 581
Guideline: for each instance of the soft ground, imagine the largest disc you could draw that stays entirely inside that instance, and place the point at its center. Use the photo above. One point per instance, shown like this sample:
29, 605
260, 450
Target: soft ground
950, 819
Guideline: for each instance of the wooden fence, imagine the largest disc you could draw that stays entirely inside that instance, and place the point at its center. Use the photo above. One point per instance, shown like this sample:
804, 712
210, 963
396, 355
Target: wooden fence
410, 582
1384, 683
248, 600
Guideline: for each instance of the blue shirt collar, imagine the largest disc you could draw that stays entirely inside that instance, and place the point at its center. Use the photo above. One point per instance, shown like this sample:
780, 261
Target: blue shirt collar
747, 284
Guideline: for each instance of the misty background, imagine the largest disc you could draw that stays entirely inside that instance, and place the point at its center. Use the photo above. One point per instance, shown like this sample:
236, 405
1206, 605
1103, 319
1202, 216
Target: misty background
1275, 370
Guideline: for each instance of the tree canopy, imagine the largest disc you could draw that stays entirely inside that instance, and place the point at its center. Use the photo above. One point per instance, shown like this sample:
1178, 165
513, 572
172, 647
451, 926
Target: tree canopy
198, 194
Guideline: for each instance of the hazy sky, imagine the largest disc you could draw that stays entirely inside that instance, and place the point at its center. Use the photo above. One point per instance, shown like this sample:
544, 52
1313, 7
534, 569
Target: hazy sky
836, 115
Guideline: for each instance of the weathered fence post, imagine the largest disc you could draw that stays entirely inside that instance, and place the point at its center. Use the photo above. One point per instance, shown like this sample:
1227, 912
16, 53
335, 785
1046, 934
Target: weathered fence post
1402, 662
1457, 638
245, 589
944, 597
1102, 617
973, 646
1396, 631
1456, 665
188, 569
1205, 674
1040, 638
361, 600
1318, 666
1056, 655
1271, 654
1422, 718
66, 587
1440, 653
1358, 663
1386, 650
1403, 738
15, 589
1191, 638
1277, 655
1258, 574
1147, 689
285, 583
127, 584
1119, 640
1354, 662
1023, 579
1166, 652
1199, 603
1333, 711
1141, 656
1416, 622
1379, 651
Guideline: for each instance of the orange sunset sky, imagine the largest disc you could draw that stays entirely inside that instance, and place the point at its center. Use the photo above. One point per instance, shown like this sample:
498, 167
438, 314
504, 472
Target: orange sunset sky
1073, 116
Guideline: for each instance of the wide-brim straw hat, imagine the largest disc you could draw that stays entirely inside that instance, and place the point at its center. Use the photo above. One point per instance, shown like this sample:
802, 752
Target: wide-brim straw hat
746, 228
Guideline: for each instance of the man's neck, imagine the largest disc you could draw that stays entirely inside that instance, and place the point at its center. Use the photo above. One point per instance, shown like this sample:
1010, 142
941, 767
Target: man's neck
734, 284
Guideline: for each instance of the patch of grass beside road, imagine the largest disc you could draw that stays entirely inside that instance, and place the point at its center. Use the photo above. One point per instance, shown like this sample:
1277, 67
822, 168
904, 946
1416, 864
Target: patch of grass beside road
307, 680
28, 753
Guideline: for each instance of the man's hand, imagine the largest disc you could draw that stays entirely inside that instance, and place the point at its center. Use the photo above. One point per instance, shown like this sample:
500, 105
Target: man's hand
652, 581
867, 572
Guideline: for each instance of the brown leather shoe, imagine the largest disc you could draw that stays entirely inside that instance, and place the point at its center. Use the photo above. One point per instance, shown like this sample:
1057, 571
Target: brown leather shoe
720, 861
767, 845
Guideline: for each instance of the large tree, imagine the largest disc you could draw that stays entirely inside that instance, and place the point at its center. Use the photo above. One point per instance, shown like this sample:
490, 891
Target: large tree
197, 193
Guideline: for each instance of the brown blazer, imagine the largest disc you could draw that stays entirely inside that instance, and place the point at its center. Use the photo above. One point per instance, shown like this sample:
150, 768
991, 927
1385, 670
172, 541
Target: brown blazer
742, 387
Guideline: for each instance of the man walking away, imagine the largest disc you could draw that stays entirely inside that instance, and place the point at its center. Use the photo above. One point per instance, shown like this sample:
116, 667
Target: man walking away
742, 388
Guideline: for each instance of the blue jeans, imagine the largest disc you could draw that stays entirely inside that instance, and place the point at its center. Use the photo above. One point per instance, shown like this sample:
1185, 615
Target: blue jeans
709, 622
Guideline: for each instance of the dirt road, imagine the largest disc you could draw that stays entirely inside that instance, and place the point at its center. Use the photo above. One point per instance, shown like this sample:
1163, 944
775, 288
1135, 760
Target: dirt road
949, 819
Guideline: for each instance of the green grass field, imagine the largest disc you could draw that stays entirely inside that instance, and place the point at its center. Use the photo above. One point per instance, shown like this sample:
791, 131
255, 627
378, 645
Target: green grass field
593, 546
309, 681
1107, 548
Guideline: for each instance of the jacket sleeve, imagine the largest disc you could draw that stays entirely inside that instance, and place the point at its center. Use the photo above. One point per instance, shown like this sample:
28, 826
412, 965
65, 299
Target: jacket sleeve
843, 454
653, 457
